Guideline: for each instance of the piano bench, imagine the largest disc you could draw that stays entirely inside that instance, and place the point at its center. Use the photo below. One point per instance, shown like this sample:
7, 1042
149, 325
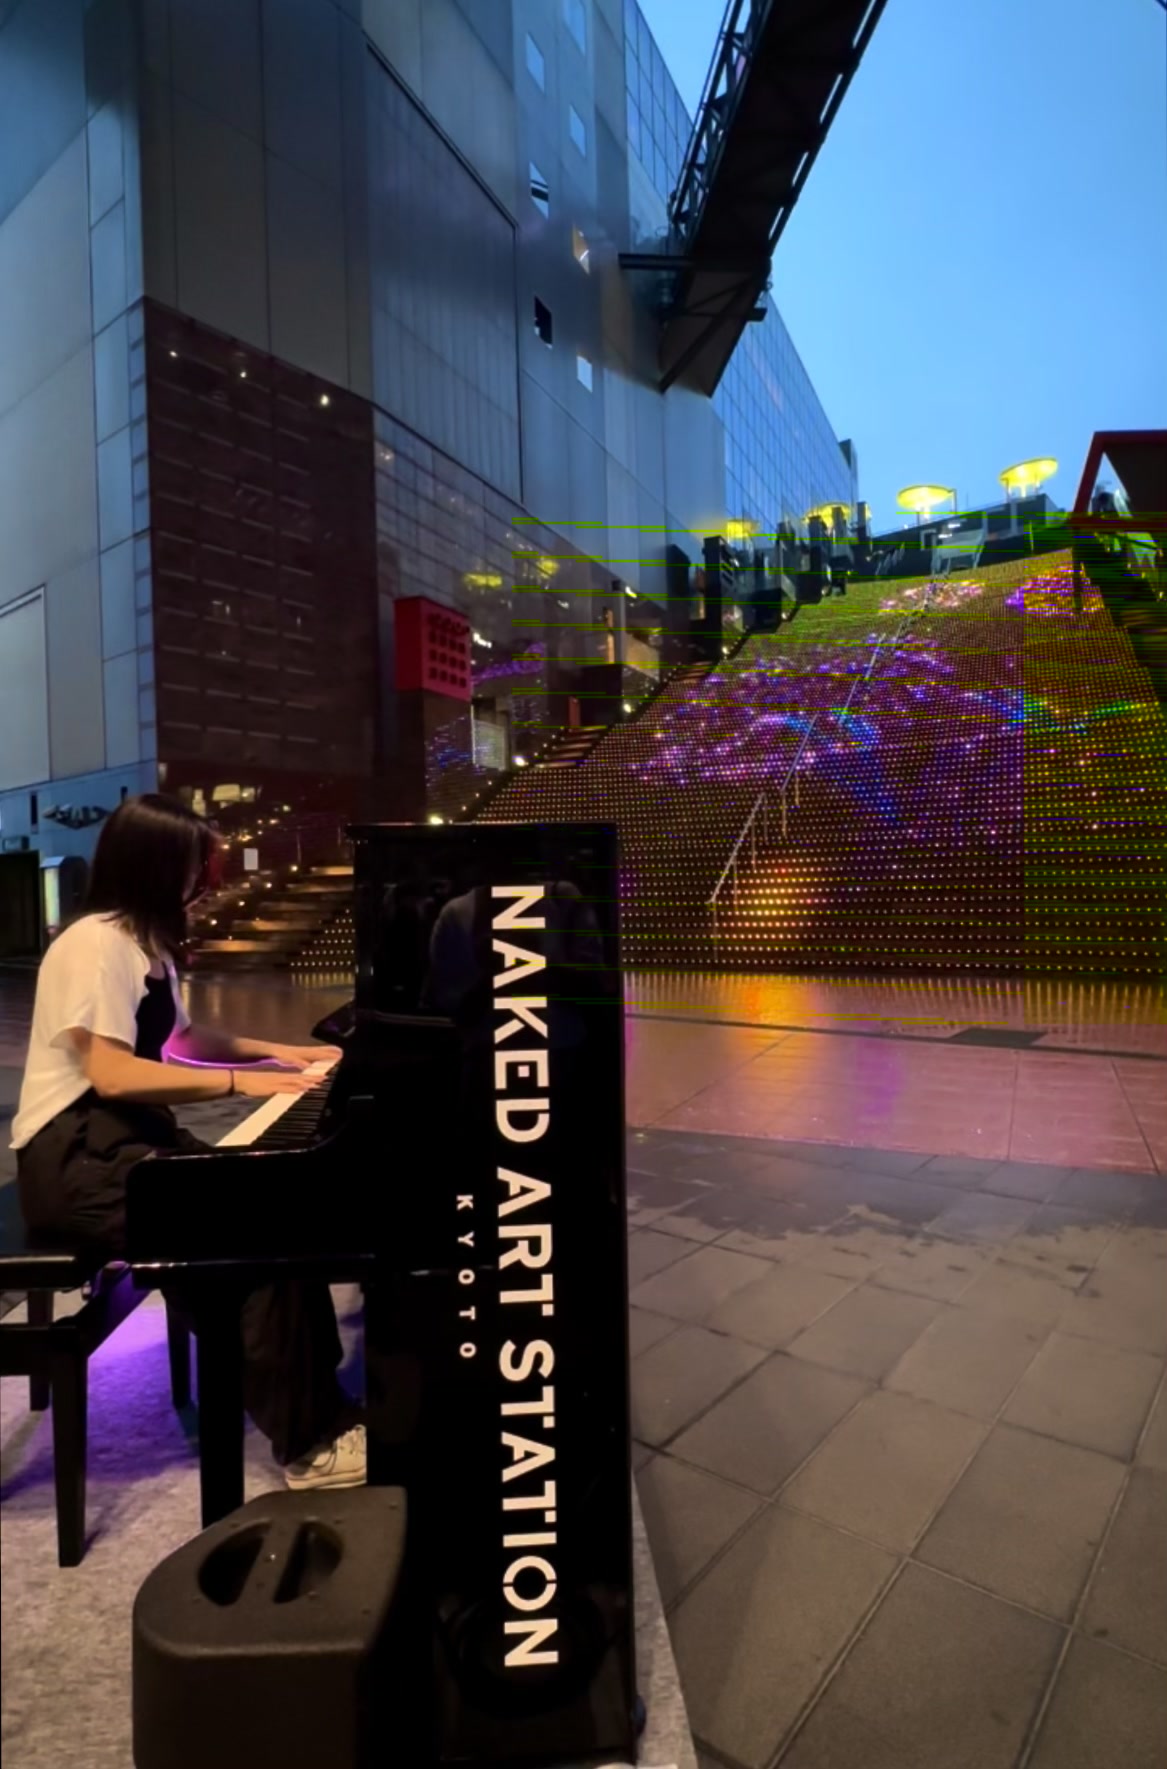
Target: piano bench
54, 1354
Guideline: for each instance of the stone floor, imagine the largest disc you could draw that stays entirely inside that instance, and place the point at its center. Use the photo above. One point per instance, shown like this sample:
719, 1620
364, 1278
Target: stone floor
899, 1332
902, 1450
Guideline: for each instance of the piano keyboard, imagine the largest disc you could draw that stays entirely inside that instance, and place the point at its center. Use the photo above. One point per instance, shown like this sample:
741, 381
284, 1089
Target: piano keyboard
284, 1120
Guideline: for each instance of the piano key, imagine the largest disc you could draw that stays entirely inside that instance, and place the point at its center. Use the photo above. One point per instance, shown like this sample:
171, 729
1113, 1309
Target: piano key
276, 1106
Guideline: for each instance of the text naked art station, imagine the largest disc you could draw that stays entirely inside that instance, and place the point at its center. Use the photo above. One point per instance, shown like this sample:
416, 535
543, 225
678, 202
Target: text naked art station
474, 1604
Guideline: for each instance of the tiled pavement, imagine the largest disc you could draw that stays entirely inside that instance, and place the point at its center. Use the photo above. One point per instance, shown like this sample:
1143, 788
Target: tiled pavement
902, 1448
901, 1422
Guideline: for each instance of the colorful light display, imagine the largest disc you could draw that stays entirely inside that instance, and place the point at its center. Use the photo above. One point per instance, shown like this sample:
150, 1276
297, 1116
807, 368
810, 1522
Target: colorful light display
995, 799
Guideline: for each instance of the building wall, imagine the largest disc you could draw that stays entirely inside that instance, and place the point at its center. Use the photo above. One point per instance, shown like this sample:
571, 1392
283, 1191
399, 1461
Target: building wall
332, 202
76, 724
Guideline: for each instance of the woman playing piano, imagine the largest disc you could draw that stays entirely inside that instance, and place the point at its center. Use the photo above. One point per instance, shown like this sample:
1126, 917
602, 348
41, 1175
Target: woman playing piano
96, 1096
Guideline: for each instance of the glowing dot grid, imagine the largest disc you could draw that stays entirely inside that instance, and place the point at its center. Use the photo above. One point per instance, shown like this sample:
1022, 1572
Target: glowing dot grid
995, 800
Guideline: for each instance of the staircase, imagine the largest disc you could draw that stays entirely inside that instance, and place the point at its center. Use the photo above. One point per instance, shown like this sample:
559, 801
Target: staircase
994, 799
266, 921
1004, 809
680, 778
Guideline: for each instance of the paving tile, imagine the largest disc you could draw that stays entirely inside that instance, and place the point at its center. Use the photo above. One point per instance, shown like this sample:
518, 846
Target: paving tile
642, 1455
691, 1288
1025, 1292
851, 1249
646, 1329
1026, 1519
819, 1194
867, 1160
1108, 1712
983, 1216
887, 1468
689, 1516
1152, 1212
1122, 1301
1086, 1392
943, 1678
854, 1249
755, 1636
764, 1228
940, 1269
651, 1197
1057, 1235
774, 1309
1109, 1193
649, 1252
906, 1203
962, 1172
762, 1432
1153, 1449
866, 1333
675, 1380
969, 1361
1128, 1600
1025, 1179
1067, 1148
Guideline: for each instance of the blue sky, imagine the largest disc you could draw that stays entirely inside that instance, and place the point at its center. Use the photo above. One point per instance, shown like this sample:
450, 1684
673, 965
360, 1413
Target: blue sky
976, 271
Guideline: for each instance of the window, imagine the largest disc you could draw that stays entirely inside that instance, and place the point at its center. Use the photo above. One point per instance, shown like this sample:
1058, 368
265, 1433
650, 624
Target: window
583, 370
536, 66
633, 125
576, 17
544, 325
575, 126
540, 190
580, 249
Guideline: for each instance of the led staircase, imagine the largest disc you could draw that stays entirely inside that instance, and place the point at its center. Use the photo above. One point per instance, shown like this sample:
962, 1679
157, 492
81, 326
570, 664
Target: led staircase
679, 780
994, 799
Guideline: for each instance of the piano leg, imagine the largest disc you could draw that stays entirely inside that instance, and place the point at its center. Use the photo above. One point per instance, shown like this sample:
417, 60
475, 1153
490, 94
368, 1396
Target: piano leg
220, 1378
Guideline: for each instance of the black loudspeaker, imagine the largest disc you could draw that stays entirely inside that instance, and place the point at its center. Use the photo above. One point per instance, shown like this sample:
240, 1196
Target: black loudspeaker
271, 1640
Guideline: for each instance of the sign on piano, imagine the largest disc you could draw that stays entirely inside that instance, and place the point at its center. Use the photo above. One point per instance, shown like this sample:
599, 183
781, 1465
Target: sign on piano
498, 1386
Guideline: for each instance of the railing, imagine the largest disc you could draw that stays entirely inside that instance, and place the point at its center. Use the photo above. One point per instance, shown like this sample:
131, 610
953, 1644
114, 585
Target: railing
726, 73
760, 811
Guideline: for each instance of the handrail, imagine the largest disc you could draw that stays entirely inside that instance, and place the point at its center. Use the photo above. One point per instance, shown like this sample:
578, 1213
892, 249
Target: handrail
761, 803
708, 125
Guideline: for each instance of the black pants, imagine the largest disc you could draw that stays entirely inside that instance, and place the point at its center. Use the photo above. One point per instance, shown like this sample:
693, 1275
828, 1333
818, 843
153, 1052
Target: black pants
72, 1184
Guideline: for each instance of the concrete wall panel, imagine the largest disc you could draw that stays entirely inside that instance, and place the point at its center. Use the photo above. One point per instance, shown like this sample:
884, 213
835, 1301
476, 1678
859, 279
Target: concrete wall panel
221, 231
24, 705
44, 276
73, 631
215, 59
42, 91
301, 86
306, 266
48, 480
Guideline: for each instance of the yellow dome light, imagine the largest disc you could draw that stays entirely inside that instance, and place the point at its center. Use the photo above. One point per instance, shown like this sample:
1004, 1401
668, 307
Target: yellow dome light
739, 529
1028, 475
921, 500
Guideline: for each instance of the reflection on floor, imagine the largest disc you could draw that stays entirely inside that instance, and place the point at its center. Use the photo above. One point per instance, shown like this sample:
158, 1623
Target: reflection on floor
860, 1062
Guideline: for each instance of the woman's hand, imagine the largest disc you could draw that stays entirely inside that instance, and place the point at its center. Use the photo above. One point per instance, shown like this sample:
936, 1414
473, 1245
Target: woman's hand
260, 1083
299, 1056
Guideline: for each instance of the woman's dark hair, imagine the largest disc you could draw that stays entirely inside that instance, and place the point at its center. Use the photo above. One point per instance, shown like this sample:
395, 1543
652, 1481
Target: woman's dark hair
148, 854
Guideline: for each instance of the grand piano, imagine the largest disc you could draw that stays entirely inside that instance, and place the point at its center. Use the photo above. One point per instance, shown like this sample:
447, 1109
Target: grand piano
464, 1162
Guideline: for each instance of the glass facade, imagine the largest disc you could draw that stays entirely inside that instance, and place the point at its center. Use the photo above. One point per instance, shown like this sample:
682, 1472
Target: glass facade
782, 458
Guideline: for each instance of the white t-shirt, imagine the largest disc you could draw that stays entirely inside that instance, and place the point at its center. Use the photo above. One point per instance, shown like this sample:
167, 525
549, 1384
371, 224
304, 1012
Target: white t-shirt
93, 976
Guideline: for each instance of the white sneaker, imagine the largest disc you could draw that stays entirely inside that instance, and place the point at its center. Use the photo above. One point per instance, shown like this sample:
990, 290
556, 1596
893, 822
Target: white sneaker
336, 1464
